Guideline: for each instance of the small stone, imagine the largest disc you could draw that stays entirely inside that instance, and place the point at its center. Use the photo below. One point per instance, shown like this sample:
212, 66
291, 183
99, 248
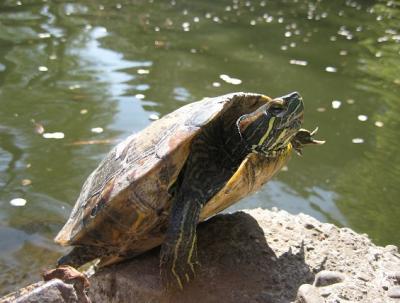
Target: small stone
394, 292
309, 294
392, 248
309, 225
326, 277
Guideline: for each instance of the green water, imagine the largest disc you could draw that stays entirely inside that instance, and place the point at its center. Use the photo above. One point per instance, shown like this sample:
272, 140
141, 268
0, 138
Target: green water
78, 65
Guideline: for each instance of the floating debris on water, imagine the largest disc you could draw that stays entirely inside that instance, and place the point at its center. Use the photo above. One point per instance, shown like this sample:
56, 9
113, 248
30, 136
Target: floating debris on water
44, 35
357, 140
143, 71
288, 34
97, 130
140, 96
92, 142
42, 69
83, 111
336, 104
298, 62
362, 118
75, 86
186, 26
321, 109
230, 80
378, 123
26, 182
343, 53
18, 202
331, 69
154, 117
350, 101
55, 135
39, 129
216, 84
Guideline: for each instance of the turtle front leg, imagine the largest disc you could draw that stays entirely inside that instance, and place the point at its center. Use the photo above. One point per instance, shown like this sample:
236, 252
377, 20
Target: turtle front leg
178, 252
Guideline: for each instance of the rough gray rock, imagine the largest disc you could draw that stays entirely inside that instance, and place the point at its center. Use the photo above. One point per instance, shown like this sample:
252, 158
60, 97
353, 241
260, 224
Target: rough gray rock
55, 291
326, 277
265, 256
308, 294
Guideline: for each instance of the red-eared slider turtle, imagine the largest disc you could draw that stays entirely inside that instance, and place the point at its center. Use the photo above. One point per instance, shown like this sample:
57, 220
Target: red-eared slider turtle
153, 188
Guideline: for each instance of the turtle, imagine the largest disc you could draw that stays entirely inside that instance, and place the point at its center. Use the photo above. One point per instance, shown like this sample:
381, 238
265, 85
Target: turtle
154, 187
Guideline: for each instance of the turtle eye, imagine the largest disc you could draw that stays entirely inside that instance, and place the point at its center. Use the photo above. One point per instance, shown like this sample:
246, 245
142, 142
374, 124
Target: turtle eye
275, 108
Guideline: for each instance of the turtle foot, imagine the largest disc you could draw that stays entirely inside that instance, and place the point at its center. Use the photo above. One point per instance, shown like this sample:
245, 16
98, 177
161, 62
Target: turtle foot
70, 275
178, 268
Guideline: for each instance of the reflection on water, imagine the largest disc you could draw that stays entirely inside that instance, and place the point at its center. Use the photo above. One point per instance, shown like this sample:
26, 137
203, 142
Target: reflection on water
98, 72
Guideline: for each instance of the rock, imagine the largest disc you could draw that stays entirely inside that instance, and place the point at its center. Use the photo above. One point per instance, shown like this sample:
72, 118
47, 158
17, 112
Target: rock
394, 292
54, 291
252, 256
308, 294
392, 249
326, 277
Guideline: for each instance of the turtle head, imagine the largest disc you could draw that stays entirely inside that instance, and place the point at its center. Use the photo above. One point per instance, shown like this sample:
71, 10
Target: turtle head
271, 127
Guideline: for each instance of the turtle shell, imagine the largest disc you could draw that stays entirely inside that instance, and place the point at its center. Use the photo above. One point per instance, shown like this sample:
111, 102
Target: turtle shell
124, 204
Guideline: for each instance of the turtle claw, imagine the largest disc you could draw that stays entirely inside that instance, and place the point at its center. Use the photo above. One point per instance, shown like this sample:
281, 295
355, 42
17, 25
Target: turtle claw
314, 131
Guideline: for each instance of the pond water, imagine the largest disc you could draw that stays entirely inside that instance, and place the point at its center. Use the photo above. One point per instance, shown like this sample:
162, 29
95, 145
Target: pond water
92, 72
